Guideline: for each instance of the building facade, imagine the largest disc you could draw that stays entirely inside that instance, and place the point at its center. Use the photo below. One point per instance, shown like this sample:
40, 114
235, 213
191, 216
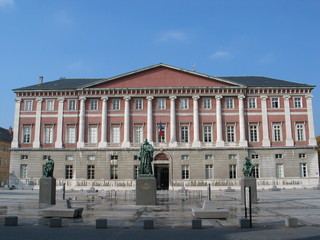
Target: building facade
5, 144
202, 128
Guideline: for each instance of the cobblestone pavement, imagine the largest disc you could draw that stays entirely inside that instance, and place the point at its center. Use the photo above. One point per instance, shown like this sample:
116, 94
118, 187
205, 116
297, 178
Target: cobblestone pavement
172, 215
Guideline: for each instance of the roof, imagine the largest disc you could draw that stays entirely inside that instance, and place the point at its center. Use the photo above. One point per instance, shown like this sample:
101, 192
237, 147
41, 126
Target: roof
5, 136
80, 83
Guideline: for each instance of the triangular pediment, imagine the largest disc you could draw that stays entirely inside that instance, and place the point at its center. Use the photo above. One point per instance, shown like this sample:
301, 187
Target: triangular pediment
162, 76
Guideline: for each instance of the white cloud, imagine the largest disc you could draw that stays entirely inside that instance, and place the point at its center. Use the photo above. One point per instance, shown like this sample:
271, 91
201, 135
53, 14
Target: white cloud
5, 3
174, 35
220, 54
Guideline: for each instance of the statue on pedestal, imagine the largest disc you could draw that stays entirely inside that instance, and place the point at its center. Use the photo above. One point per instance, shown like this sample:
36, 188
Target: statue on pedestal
48, 167
146, 157
248, 168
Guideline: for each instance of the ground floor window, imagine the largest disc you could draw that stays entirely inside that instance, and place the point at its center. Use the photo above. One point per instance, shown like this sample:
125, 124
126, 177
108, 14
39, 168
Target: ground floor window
23, 170
303, 170
256, 171
279, 171
69, 171
209, 171
185, 172
232, 171
90, 171
114, 172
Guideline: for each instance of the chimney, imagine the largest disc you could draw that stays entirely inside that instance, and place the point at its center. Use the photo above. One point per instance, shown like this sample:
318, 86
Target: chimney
40, 80
10, 131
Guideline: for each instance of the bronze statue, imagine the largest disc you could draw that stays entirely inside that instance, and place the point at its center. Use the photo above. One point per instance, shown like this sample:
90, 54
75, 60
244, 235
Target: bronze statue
248, 168
48, 167
146, 158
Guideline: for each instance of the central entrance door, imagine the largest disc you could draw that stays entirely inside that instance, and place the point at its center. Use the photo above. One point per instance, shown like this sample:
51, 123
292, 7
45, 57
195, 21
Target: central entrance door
162, 176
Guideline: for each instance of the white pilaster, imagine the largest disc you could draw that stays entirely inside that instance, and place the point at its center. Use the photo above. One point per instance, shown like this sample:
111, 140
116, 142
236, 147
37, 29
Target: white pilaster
15, 140
173, 139
289, 140
126, 141
219, 142
80, 143
242, 141
149, 120
196, 140
265, 126
103, 141
312, 139
36, 142
58, 143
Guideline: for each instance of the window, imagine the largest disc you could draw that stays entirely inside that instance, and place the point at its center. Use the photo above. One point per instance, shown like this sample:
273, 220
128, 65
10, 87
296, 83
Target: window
115, 134
208, 156
138, 134
185, 172
209, 171
93, 104
279, 171
114, 171
184, 157
297, 102
28, 105
69, 157
93, 134
277, 133
114, 157
184, 133
69, 172
278, 156
300, 133
302, 155
24, 157
161, 103
275, 103
252, 103
303, 170
26, 134
71, 105
207, 133
206, 103
229, 103
230, 133
232, 156
115, 104
71, 134
253, 133
256, 171
136, 169
254, 156
90, 172
23, 171
232, 171
138, 104
48, 134
161, 132
50, 105
184, 103
91, 157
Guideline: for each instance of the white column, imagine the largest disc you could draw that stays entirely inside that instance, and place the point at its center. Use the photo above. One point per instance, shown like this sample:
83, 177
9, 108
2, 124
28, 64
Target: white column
312, 139
196, 140
219, 142
149, 120
15, 140
265, 124
80, 143
289, 140
58, 143
126, 141
173, 139
242, 141
103, 141
36, 142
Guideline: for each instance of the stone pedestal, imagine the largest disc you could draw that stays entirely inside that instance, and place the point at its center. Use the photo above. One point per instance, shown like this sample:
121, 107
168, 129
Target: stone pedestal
47, 192
146, 190
249, 182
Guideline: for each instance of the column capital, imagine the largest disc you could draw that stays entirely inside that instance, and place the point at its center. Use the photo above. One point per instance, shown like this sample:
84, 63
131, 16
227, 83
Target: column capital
286, 97
17, 100
127, 98
241, 96
196, 97
218, 97
104, 99
61, 100
149, 98
82, 98
309, 96
263, 97
39, 100
172, 98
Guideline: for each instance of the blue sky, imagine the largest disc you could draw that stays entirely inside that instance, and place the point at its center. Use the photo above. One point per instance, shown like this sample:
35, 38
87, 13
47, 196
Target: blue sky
102, 38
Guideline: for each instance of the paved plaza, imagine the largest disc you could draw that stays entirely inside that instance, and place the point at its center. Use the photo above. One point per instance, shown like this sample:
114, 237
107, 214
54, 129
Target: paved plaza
172, 215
